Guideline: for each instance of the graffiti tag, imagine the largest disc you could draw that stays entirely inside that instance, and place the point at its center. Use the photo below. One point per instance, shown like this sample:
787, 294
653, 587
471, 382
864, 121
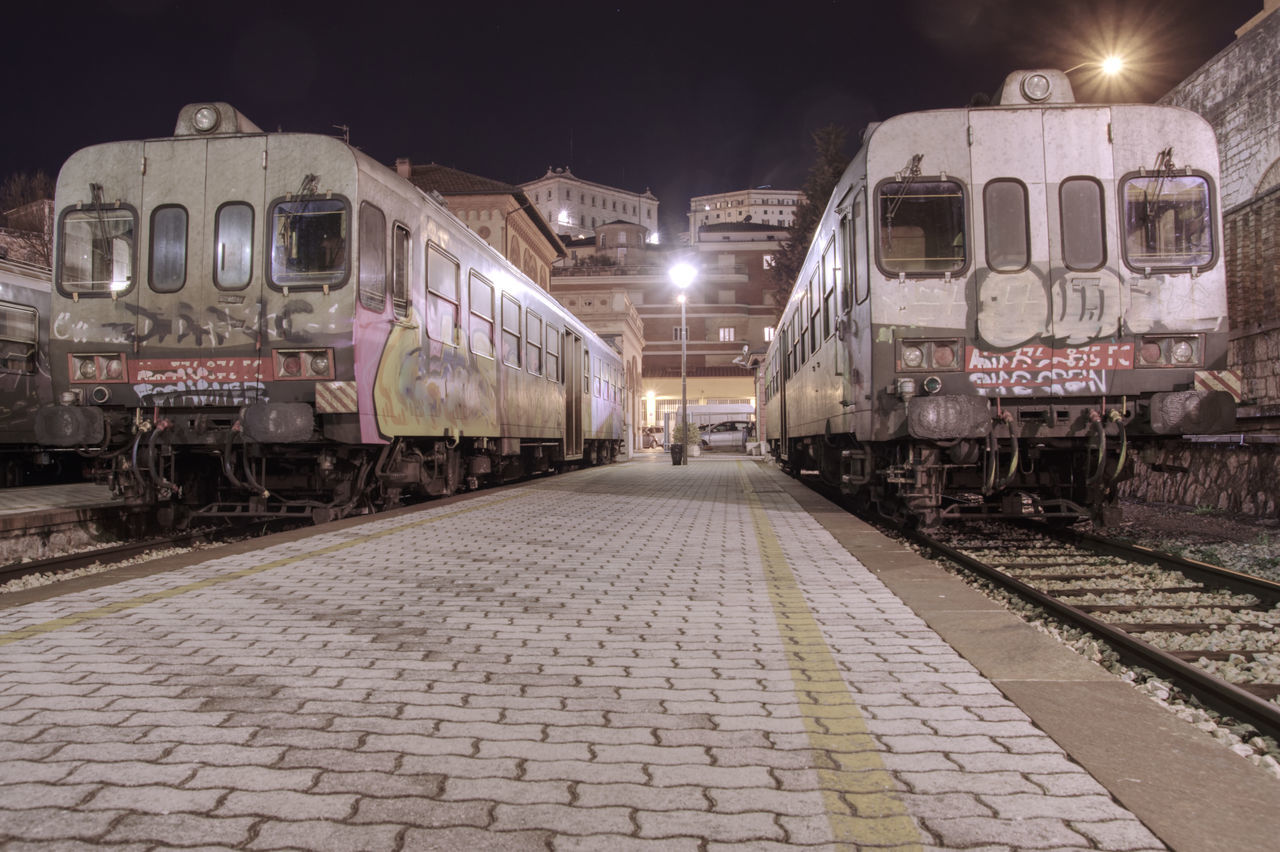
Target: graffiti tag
1037, 370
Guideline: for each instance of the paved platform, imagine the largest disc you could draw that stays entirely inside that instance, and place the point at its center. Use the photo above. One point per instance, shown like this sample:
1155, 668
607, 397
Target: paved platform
639, 656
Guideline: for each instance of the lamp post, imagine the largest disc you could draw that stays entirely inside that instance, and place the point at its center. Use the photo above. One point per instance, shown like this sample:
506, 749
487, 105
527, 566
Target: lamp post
682, 275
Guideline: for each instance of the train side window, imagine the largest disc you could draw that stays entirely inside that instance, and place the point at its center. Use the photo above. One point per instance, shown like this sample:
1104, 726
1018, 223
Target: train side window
828, 286
815, 309
442, 296
400, 244
1007, 228
922, 227
373, 258
595, 373
533, 342
168, 267
481, 333
510, 331
1167, 221
553, 354
19, 337
233, 237
97, 250
1084, 240
309, 242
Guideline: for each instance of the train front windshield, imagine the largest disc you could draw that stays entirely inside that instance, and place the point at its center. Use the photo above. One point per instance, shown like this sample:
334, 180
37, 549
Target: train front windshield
921, 227
1167, 222
310, 242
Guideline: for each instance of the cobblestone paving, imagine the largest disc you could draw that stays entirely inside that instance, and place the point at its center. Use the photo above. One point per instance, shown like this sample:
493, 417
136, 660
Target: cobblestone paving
636, 657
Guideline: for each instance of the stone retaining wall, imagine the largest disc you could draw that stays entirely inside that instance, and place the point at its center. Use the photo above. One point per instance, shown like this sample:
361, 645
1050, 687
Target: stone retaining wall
1236, 478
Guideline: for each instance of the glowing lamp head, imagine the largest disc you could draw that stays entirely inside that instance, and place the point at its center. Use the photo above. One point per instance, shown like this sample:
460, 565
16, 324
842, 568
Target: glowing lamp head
682, 275
1112, 65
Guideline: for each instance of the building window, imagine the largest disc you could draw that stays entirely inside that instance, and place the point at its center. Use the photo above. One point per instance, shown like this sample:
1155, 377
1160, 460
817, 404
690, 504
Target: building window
726, 334
680, 333
768, 333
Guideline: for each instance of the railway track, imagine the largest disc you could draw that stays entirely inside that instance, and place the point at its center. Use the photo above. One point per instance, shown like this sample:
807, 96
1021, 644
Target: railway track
1212, 632
118, 553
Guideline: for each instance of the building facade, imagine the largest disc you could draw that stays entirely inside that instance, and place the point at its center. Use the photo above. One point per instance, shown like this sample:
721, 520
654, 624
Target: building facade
1238, 92
729, 313
501, 214
576, 207
763, 205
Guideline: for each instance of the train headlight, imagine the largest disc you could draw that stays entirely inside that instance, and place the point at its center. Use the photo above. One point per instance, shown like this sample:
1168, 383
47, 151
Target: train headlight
1036, 87
912, 356
205, 119
88, 369
320, 365
1182, 351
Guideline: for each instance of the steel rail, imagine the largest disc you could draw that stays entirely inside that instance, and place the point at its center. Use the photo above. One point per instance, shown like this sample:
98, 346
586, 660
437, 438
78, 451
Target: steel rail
1226, 698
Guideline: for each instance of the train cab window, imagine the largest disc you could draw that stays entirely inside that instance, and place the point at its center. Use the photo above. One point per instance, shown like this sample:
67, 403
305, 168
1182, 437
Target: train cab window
309, 242
1167, 221
553, 354
481, 331
400, 244
922, 227
442, 296
1004, 210
373, 258
168, 266
533, 343
97, 250
1084, 239
19, 337
510, 331
233, 237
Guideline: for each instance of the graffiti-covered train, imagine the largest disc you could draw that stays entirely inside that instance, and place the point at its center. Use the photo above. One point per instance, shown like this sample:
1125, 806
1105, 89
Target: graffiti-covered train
273, 324
1002, 304
24, 376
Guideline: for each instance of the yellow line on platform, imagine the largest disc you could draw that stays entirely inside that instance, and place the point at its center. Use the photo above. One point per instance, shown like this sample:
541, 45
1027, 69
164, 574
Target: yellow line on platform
862, 806
142, 600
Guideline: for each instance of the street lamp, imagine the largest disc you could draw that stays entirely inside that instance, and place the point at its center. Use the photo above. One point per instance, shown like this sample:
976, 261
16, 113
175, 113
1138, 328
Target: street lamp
1111, 65
682, 275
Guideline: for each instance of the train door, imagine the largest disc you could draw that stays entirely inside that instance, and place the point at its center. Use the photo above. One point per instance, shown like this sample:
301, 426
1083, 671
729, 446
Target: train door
171, 290
1013, 332
573, 400
231, 280
784, 350
1083, 248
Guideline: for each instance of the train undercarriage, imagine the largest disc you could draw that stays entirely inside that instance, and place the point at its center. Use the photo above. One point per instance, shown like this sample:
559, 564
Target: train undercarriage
926, 483
226, 475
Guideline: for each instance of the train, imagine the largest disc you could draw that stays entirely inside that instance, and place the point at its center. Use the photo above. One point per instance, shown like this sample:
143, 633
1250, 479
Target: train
1002, 305
261, 324
25, 384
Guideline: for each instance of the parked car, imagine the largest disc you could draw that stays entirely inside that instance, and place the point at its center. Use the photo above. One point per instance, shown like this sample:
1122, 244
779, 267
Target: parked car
728, 434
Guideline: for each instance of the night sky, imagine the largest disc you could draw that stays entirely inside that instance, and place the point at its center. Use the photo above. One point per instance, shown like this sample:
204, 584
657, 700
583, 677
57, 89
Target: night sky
683, 98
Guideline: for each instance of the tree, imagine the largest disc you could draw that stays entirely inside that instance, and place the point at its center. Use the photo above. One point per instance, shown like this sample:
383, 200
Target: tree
26, 213
828, 165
